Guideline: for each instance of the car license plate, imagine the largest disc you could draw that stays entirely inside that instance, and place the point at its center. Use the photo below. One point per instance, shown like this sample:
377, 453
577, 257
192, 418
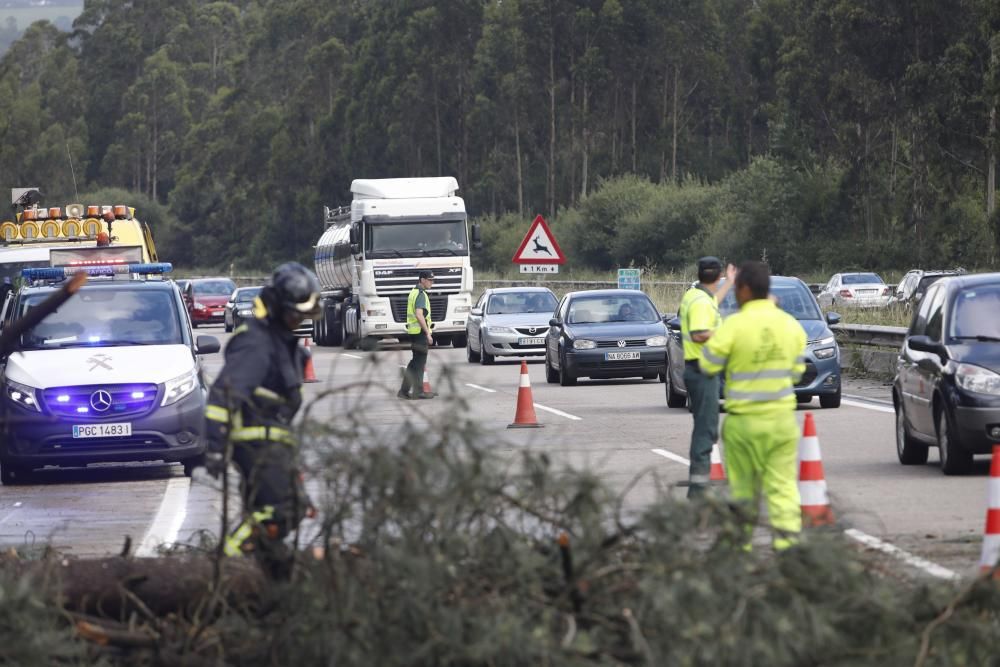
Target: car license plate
620, 356
219, 312
867, 292
118, 430
531, 341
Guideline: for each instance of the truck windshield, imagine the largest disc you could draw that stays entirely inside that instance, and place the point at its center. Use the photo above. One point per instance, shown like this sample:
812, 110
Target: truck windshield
416, 239
105, 317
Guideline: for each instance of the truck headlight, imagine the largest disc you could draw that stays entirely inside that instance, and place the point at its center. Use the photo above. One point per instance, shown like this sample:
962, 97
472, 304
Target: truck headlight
23, 395
179, 387
584, 344
462, 309
376, 312
656, 341
825, 353
977, 379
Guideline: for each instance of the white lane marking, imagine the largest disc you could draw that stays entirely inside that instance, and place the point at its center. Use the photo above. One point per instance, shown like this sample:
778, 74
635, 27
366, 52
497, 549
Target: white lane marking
557, 412
927, 566
352, 356
670, 455
867, 406
476, 386
877, 401
169, 518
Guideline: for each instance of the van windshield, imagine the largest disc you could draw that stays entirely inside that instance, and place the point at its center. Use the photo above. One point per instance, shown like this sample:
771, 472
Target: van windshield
105, 317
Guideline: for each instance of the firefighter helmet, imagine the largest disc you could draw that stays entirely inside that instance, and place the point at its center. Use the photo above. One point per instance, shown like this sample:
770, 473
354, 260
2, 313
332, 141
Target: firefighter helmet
296, 289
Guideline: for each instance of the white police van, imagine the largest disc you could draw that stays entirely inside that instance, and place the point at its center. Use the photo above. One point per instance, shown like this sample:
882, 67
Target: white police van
113, 375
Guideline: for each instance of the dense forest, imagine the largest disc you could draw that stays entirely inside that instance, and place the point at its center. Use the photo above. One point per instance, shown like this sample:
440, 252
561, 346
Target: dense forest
810, 132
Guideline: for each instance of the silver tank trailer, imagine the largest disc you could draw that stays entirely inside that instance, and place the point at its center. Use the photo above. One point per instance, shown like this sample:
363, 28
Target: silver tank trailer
334, 273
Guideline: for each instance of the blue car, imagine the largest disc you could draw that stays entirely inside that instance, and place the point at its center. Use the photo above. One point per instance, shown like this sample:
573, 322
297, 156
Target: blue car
605, 334
822, 375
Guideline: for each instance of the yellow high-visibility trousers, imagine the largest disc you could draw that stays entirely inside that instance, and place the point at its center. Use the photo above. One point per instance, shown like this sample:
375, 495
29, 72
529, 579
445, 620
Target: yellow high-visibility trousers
761, 453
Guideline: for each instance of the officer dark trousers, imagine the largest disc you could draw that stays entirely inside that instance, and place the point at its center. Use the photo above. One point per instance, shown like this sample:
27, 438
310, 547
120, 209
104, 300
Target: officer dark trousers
413, 376
703, 395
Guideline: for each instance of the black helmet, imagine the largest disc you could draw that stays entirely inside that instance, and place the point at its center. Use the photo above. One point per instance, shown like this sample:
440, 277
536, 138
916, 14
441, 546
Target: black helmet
296, 289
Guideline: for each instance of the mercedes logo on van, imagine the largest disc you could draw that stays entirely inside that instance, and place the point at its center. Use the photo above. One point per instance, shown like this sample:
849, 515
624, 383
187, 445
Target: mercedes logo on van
621, 343
100, 400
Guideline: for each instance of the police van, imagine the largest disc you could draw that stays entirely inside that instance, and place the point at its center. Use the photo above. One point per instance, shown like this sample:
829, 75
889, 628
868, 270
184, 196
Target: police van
113, 375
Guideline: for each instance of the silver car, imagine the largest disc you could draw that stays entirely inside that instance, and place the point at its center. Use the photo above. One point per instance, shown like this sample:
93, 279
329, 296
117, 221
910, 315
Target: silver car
861, 290
509, 322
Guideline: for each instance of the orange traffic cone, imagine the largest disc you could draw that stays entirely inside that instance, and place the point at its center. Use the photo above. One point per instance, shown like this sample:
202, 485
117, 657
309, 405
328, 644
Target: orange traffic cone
310, 372
991, 534
816, 510
716, 473
525, 416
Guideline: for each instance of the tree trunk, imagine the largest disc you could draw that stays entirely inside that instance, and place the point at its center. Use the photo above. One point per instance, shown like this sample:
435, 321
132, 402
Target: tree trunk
437, 125
673, 142
520, 167
585, 163
552, 125
991, 161
573, 143
635, 149
663, 126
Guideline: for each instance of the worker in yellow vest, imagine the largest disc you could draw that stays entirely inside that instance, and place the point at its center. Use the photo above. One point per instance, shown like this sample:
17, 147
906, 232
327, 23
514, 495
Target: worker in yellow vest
418, 326
762, 351
699, 316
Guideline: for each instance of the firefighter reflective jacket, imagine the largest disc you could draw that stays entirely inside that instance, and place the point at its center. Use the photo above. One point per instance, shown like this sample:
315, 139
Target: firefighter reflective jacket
259, 389
762, 349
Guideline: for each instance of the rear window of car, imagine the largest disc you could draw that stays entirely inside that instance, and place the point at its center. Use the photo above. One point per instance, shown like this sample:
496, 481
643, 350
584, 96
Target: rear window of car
521, 302
861, 278
794, 298
975, 312
214, 287
626, 308
247, 293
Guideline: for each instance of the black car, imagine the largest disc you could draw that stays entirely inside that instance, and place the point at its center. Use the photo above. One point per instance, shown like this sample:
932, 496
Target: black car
604, 334
240, 306
947, 387
822, 374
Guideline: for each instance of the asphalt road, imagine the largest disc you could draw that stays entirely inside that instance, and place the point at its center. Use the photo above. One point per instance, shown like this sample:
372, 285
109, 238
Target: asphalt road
610, 426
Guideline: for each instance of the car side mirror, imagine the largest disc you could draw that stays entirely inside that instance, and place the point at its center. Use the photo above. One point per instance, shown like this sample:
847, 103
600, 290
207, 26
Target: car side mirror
477, 241
673, 323
833, 318
555, 322
925, 344
207, 345
478, 312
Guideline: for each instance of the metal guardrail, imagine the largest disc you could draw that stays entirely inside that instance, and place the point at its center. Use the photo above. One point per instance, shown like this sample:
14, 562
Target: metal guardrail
870, 335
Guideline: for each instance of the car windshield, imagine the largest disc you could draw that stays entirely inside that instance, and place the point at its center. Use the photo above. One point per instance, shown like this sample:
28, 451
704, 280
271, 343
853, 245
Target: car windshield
793, 297
599, 309
976, 312
521, 302
104, 317
861, 279
214, 287
246, 294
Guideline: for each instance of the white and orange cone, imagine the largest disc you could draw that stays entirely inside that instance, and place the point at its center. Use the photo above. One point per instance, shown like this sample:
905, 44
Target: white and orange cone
991, 533
525, 416
310, 372
816, 510
716, 473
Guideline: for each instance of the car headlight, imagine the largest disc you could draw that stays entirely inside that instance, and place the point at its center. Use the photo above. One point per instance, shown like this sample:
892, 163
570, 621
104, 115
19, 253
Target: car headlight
23, 395
179, 387
462, 309
823, 341
825, 353
584, 344
245, 313
656, 341
200, 306
977, 379
499, 330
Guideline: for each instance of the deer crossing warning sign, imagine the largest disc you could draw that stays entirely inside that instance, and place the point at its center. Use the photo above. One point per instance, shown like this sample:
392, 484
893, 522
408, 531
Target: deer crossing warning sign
539, 252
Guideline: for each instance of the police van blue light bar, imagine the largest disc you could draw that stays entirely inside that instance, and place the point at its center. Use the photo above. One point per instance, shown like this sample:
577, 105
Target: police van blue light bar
61, 272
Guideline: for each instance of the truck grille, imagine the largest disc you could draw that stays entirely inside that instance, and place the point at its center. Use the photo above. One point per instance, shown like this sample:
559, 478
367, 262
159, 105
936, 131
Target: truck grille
439, 307
82, 402
389, 282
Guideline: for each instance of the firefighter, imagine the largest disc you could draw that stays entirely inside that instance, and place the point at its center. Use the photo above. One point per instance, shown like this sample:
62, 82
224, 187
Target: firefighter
762, 350
418, 326
699, 316
251, 405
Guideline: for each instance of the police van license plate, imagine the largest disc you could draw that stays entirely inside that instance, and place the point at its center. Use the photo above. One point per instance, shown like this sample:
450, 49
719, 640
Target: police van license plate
531, 341
620, 356
102, 430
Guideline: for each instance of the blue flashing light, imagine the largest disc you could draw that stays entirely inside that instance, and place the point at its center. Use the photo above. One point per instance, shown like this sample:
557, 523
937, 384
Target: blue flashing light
63, 398
62, 272
83, 409
138, 394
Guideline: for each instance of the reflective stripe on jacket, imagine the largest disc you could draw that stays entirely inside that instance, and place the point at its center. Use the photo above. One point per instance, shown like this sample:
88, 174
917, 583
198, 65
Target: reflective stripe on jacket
412, 325
698, 312
762, 350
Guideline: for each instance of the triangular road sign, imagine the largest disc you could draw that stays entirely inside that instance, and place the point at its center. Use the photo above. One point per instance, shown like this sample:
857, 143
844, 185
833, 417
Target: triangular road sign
539, 246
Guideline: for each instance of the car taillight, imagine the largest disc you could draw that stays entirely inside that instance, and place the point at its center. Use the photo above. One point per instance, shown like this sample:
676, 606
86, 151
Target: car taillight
846, 293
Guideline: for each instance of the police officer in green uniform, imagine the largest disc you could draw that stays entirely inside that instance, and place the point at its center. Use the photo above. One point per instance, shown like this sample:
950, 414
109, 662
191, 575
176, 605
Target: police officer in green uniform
418, 327
699, 315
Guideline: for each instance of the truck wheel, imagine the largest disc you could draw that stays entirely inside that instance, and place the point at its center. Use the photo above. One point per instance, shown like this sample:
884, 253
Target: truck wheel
334, 335
459, 341
348, 340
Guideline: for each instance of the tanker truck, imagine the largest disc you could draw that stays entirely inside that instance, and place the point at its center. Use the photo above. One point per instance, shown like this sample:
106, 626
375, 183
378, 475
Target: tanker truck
370, 253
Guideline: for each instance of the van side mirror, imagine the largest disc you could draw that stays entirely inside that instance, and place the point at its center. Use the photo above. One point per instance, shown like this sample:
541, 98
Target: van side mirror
477, 241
